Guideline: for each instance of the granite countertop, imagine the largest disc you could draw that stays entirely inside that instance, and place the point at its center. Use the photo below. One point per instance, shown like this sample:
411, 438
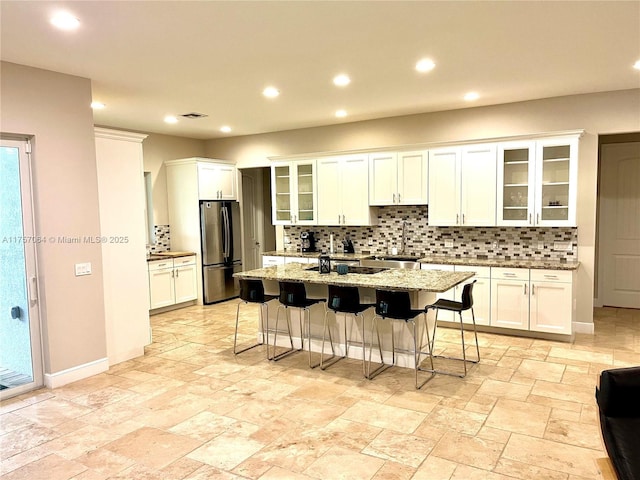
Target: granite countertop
164, 255
334, 256
391, 279
446, 260
499, 262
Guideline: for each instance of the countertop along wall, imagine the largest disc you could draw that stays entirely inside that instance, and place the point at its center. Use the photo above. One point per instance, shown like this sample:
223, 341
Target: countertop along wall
54, 109
597, 113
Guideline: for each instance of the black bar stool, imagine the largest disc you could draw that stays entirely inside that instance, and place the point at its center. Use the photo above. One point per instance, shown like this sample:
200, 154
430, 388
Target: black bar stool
396, 305
252, 291
459, 307
294, 295
344, 300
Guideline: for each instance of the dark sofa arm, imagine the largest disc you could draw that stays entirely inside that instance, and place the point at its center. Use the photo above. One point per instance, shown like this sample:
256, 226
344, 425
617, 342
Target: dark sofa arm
619, 392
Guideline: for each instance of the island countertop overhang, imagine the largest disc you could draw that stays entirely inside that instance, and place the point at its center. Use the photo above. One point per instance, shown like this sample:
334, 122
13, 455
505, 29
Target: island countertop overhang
435, 281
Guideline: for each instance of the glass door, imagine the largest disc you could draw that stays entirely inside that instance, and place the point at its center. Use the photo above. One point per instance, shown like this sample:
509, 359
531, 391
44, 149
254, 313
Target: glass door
515, 184
555, 202
20, 354
281, 181
306, 193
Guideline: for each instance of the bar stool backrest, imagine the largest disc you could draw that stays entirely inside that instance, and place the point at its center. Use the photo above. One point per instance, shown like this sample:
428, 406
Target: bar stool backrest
467, 295
343, 298
292, 294
393, 304
251, 291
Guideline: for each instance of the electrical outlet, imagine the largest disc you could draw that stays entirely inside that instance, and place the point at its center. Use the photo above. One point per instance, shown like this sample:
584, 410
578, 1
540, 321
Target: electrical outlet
562, 246
540, 245
287, 239
370, 242
448, 243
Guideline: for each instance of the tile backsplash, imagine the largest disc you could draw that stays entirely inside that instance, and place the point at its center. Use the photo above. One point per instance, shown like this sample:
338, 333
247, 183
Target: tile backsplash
484, 242
163, 239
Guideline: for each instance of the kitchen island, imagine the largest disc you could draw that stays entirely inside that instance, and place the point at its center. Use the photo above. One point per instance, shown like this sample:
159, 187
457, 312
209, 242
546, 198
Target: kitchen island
423, 285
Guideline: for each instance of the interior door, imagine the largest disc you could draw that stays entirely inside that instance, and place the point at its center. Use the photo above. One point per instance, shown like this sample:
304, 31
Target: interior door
251, 217
20, 355
619, 225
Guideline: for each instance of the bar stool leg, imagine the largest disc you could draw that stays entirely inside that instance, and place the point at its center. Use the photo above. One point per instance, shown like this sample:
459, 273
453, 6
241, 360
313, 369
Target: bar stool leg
291, 350
383, 366
332, 359
262, 331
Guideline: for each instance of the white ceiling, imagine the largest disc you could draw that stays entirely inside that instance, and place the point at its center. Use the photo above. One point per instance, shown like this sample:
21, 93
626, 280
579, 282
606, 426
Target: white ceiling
148, 59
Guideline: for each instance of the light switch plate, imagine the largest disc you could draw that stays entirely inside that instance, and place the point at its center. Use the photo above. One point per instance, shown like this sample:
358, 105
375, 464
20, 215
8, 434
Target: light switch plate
448, 243
83, 269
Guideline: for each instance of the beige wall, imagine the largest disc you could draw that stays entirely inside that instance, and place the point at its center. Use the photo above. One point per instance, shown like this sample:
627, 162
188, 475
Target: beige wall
54, 109
156, 149
609, 112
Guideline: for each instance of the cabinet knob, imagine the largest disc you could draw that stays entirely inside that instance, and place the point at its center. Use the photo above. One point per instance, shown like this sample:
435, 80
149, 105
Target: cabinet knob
399, 201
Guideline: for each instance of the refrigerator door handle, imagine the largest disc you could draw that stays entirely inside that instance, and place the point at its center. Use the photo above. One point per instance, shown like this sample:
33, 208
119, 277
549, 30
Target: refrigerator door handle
203, 232
226, 233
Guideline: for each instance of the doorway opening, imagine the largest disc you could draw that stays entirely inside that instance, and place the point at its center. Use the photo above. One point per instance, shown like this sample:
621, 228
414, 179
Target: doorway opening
20, 344
617, 279
259, 232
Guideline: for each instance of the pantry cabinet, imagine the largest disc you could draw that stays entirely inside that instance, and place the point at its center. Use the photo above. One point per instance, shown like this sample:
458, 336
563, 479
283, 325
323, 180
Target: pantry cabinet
462, 186
294, 193
398, 178
537, 182
343, 191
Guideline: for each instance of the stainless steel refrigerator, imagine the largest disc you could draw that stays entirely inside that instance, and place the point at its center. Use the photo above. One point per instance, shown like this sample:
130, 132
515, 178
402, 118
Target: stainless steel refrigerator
221, 249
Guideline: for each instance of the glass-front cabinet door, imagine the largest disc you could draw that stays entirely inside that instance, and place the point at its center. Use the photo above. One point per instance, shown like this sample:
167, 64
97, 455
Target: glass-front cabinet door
516, 174
294, 195
537, 183
556, 182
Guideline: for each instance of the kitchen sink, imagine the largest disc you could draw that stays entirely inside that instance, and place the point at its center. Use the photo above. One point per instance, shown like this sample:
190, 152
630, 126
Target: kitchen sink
392, 261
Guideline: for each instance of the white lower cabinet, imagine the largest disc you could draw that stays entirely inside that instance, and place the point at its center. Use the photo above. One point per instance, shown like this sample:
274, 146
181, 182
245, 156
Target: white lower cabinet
551, 301
271, 260
515, 298
536, 300
172, 281
510, 298
481, 293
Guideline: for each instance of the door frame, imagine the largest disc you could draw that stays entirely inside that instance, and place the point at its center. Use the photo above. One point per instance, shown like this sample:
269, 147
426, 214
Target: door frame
23, 143
601, 246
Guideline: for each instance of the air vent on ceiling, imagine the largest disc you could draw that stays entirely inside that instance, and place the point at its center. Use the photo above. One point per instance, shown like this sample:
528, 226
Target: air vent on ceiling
194, 115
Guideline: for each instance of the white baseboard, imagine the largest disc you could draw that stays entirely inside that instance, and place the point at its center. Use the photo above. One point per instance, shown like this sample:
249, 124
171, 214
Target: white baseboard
583, 327
58, 379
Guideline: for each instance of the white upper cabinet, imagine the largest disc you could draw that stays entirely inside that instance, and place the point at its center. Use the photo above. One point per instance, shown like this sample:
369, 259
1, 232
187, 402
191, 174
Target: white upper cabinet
294, 193
343, 191
217, 181
398, 178
444, 186
462, 184
537, 182
478, 185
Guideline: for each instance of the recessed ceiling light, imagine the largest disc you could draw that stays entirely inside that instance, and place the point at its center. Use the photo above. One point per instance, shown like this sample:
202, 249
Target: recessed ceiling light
271, 92
637, 65
170, 119
471, 96
425, 65
341, 80
65, 21
341, 113
225, 129
97, 105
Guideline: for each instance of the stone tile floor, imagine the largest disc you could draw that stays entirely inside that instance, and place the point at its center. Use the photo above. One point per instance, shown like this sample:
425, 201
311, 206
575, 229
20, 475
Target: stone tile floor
191, 410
